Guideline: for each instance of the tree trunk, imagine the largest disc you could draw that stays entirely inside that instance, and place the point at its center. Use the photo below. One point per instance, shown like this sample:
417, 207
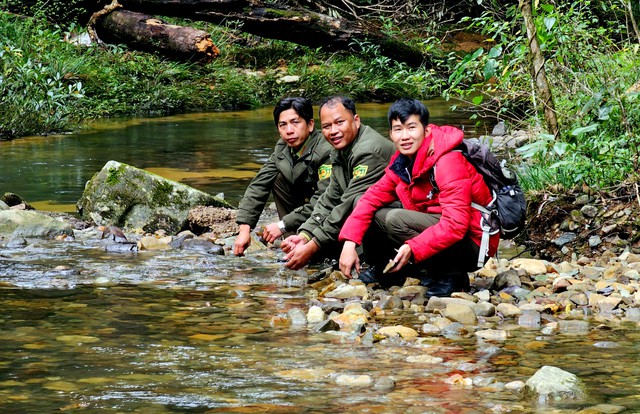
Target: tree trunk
539, 74
300, 26
149, 34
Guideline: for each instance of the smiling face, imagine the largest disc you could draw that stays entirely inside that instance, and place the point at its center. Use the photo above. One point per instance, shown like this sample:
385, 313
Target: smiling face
339, 125
293, 129
408, 136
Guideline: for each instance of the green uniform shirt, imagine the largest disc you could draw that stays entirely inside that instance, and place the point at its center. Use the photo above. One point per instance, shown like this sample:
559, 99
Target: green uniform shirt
311, 167
354, 170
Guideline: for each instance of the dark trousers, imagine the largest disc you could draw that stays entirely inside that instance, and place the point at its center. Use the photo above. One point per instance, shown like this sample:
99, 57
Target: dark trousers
289, 196
392, 227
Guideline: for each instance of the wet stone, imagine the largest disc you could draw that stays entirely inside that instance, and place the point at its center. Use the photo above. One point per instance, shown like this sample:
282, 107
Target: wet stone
390, 302
327, 325
573, 326
384, 384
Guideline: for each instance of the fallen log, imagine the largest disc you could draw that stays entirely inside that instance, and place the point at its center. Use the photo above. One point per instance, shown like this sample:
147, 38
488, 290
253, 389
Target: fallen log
300, 26
147, 33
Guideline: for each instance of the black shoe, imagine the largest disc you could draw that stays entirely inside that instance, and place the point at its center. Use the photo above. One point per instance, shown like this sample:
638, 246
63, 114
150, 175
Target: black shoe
447, 285
370, 275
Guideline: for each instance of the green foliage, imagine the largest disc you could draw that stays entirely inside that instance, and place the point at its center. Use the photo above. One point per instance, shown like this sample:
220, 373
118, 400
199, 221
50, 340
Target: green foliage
35, 97
591, 69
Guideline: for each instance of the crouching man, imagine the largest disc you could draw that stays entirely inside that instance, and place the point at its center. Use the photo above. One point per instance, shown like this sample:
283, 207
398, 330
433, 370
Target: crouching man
436, 230
297, 173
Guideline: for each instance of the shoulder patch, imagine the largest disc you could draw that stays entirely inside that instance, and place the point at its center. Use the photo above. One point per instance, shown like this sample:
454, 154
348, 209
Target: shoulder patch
360, 171
324, 171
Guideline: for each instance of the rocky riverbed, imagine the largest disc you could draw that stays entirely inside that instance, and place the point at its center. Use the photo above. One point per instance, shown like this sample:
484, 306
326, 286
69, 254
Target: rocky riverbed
582, 274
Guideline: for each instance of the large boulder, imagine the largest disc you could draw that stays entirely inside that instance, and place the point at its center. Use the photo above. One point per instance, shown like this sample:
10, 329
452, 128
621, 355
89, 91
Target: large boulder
29, 223
131, 198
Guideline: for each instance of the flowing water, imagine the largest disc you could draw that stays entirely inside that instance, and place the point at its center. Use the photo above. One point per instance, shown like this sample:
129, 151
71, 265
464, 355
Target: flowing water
88, 331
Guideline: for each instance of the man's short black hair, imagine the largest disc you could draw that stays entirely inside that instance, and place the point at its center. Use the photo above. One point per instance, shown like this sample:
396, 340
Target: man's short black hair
302, 106
347, 102
403, 108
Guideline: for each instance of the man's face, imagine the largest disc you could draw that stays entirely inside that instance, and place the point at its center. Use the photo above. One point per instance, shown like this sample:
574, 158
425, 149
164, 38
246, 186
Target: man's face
339, 125
408, 136
293, 129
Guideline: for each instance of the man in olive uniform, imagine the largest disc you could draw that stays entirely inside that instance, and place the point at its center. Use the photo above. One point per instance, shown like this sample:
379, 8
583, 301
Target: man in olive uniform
359, 157
297, 173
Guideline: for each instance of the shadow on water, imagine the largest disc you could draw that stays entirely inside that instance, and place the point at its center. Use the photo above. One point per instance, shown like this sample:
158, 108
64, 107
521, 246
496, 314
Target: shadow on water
85, 330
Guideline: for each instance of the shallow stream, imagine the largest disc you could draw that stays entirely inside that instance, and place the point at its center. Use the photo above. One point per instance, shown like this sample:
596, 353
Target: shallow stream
85, 330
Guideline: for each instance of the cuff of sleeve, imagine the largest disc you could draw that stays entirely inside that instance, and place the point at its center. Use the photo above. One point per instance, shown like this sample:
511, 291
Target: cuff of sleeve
305, 236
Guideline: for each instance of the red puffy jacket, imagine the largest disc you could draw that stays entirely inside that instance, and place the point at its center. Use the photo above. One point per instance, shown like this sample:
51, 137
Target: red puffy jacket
459, 185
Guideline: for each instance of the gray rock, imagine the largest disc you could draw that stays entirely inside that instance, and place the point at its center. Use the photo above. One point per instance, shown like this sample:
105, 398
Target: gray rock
554, 383
132, 198
589, 211
29, 223
564, 238
506, 279
3, 206
202, 245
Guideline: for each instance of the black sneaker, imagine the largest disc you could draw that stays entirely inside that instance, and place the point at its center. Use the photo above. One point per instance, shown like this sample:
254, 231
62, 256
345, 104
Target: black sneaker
447, 285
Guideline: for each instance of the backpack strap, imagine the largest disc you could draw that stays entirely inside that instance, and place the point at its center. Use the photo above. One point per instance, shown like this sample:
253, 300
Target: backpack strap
487, 231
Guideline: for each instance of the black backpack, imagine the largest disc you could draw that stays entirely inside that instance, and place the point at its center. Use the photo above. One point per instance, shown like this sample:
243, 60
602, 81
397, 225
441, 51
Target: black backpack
507, 211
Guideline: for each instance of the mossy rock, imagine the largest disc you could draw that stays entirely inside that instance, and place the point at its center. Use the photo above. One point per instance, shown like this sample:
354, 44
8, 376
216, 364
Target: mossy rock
128, 197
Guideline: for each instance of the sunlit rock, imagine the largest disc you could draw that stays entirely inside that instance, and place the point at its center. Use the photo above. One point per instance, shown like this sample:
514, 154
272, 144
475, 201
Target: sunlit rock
132, 198
508, 310
398, 330
29, 223
552, 383
424, 359
315, 314
531, 266
354, 380
460, 313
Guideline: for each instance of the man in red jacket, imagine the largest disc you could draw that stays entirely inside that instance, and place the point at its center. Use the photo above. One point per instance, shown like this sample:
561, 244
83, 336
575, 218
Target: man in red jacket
438, 231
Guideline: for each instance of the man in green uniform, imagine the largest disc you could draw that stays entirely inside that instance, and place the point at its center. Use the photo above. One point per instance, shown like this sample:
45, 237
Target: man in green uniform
358, 160
297, 173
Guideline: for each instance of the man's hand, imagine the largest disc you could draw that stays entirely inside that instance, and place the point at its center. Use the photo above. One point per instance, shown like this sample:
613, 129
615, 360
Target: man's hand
300, 255
271, 232
349, 259
243, 241
291, 242
404, 256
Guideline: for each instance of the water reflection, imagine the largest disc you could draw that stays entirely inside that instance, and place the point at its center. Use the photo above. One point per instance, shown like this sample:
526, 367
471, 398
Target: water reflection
214, 152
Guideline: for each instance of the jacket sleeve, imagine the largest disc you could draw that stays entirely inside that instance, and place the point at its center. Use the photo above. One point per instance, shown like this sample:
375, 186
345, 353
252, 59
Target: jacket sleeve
455, 199
337, 206
379, 195
257, 193
298, 216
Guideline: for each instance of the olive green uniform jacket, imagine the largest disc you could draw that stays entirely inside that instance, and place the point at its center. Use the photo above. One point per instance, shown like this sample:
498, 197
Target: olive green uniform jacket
312, 168
354, 170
